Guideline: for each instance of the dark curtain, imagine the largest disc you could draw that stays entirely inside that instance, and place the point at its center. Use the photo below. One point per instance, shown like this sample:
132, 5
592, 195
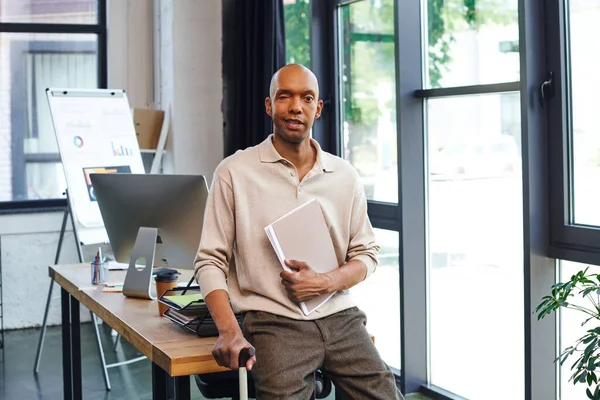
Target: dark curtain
253, 49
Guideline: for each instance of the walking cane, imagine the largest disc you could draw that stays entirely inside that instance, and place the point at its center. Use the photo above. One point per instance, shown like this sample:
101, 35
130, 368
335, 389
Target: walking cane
245, 355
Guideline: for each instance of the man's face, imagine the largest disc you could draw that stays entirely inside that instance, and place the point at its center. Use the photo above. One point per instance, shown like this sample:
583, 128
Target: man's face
294, 104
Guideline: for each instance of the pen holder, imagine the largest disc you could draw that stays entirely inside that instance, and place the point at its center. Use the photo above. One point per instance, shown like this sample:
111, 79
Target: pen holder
99, 272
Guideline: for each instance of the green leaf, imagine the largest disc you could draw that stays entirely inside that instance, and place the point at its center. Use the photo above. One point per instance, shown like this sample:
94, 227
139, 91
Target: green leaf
588, 339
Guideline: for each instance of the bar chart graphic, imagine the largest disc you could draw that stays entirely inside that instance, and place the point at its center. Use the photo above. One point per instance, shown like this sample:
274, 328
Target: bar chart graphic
120, 150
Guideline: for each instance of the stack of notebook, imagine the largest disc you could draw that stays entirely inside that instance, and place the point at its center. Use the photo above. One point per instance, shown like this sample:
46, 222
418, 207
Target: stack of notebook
186, 307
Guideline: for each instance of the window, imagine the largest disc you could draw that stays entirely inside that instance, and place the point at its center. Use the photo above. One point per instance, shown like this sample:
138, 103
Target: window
49, 11
571, 329
575, 145
439, 111
475, 247
378, 297
297, 31
472, 42
38, 63
43, 44
585, 148
368, 102
366, 90
475, 201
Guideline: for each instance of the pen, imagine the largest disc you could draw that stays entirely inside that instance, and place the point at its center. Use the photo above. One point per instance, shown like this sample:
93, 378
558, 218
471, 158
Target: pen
188, 286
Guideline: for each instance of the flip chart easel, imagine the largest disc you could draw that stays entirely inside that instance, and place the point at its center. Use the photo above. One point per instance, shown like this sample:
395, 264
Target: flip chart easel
95, 134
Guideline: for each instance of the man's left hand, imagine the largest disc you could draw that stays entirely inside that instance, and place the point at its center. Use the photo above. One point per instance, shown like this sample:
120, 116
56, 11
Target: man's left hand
302, 283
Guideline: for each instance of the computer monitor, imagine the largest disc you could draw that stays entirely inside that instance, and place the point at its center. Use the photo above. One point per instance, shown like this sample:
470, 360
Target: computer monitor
174, 204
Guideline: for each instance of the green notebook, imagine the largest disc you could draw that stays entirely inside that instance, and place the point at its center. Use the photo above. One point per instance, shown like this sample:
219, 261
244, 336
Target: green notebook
184, 300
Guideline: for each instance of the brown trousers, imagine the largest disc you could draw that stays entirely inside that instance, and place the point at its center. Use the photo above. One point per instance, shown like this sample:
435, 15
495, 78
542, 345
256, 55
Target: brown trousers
288, 352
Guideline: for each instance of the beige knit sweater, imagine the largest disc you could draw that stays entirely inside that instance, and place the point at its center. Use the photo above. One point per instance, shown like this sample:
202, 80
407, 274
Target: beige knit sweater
251, 189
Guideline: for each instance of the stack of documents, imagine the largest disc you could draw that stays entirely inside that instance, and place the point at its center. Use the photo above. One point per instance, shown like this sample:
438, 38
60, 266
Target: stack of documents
186, 307
302, 235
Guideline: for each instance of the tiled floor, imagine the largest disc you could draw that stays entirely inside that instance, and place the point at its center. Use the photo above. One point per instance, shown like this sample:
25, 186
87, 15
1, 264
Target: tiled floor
17, 381
129, 382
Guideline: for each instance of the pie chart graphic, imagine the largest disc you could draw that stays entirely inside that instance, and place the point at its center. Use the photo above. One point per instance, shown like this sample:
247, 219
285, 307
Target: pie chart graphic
78, 141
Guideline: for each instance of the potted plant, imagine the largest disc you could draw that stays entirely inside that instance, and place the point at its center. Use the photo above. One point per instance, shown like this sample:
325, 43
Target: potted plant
584, 285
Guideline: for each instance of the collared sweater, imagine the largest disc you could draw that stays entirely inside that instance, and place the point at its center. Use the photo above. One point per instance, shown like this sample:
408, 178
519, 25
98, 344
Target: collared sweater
251, 189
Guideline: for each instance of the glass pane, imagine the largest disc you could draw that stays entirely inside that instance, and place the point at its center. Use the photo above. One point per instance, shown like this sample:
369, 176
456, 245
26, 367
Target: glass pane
379, 297
472, 42
49, 11
297, 31
30, 63
371, 16
571, 329
584, 18
476, 245
369, 99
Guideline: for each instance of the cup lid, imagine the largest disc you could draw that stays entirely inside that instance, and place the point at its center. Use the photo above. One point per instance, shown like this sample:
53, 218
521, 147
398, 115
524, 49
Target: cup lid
167, 276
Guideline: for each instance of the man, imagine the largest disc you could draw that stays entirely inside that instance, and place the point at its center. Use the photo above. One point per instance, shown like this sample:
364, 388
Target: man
251, 189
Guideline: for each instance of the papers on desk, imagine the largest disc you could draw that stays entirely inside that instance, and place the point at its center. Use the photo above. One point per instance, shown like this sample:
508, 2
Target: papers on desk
186, 307
117, 287
185, 299
117, 266
302, 235
113, 289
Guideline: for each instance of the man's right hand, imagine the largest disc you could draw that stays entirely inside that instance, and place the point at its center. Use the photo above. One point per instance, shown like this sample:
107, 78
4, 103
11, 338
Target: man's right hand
231, 340
228, 347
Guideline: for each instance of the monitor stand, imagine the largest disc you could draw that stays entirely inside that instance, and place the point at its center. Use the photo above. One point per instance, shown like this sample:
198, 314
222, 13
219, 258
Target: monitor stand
138, 283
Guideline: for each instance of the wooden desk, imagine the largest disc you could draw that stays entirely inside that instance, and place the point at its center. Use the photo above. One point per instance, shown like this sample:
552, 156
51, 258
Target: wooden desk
175, 352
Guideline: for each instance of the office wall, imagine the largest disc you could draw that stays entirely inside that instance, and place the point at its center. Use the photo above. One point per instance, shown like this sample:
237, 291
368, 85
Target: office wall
165, 51
130, 50
28, 245
190, 83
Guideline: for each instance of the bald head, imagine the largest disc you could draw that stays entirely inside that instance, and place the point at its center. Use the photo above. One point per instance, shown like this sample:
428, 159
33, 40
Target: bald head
293, 103
289, 71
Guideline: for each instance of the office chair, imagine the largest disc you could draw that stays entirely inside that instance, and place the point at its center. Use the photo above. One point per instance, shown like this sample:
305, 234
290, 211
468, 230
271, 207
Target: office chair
225, 384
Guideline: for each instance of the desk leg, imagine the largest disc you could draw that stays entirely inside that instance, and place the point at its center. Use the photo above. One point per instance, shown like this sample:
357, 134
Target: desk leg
66, 344
182, 388
76, 349
162, 388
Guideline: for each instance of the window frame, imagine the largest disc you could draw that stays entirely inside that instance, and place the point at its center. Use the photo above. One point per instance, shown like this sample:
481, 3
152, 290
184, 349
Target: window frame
99, 29
409, 216
393, 216
568, 240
